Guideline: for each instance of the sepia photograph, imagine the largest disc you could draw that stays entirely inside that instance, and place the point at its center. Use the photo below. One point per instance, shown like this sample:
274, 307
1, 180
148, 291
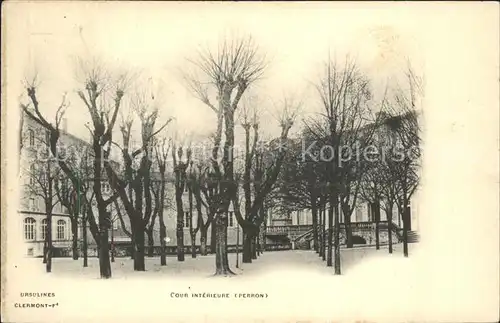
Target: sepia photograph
250, 162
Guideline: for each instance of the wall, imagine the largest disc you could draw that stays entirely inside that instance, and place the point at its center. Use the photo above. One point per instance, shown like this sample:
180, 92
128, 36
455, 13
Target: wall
35, 247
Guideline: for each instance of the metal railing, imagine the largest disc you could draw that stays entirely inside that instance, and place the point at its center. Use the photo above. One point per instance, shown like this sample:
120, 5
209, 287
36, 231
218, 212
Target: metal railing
303, 230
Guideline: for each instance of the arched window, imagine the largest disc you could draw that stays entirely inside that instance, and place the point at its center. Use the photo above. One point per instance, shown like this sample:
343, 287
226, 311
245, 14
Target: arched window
44, 228
29, 229
31, 135
61, 229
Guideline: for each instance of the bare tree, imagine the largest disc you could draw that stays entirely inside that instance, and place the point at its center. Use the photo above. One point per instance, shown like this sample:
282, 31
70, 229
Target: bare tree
405, 128
161, 153
43, 175
97, 84
200, 188
87, 213
155, 190
343, 92
228, 72
195, 201
180, 172
265, 164
302, 183
71, 197
137, 200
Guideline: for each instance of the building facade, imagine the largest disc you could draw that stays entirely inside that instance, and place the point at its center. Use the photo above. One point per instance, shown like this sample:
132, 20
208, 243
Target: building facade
34, 180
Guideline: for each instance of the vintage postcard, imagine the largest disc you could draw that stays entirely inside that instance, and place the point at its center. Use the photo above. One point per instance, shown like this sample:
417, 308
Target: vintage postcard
250, 162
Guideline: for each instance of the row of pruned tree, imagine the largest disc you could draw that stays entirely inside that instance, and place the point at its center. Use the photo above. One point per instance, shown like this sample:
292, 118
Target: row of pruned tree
351, 153
138, 181
265, 173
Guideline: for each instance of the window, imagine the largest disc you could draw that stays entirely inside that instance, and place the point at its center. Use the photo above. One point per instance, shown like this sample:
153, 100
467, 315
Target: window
47, 137
32, 204
64, 185
32, 174
371, 215
29, 229
31, 136
30, 252
231, 219
61, 229
186, 222
44, 228
359, 214
115, 224
105, 187
61, 152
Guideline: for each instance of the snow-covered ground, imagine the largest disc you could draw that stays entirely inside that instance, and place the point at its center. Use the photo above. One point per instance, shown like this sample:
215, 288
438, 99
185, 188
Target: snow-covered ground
204, 266
287, 286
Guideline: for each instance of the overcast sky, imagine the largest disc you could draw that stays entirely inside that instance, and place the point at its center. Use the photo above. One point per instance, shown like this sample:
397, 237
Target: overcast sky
157, 38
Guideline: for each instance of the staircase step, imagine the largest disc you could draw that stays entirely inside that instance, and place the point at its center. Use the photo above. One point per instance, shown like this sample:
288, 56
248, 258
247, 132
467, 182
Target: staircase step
413, 237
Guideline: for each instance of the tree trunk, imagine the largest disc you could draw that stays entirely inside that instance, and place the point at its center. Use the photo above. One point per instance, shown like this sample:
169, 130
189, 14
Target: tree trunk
314, 210
376, 215
44, 261
257, 245
203, 241
405, 217
213, 235
323, 255
133, 248
104, 263
254, 247
329, 257
74, 233
347, 223
163, 235
193, 244
238, 246
112, 245
48, 264
84, 243
247, 247
262, 240
139, 257
180, 236
389, 225
263, 237
221, 259
163, 228
408, 214
337, 238
320, 233
151, 242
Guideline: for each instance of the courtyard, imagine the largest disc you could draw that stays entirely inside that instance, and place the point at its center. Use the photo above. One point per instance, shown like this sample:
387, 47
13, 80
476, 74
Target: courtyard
371, 278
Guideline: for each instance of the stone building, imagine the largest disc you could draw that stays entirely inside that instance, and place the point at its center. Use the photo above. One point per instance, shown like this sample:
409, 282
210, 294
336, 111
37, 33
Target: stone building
33, 168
